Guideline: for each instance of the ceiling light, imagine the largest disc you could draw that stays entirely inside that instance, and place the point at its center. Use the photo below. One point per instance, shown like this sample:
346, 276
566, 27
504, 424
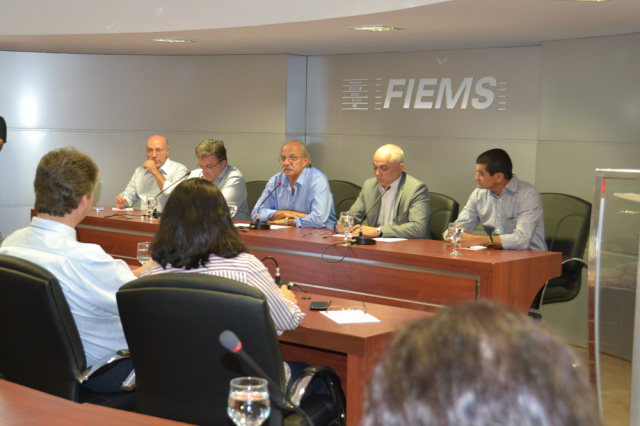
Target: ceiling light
175, 40
376, 28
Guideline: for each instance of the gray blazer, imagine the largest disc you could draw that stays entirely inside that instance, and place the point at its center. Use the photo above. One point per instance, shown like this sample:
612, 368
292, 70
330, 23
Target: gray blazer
410, 213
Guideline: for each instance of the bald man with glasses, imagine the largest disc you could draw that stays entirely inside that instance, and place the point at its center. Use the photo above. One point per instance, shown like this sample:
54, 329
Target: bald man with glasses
154, 176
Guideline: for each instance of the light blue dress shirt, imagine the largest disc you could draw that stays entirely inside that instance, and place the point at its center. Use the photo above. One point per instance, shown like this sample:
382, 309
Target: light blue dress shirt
89, 278
312, 196
143, 184
515, 215
233, 187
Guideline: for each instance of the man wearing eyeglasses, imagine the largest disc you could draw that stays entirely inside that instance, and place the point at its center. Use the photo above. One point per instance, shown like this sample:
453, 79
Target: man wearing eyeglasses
155, 175
303, 199
213, 166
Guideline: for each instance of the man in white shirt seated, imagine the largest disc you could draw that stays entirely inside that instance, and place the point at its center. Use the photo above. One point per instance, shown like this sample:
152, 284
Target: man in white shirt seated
155, 175
64, 186
212, 158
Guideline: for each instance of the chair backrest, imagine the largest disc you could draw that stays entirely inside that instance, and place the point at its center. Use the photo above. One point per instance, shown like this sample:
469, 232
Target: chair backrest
172, 323
443, 210
344, 194
254, 190
566, 223
39, 342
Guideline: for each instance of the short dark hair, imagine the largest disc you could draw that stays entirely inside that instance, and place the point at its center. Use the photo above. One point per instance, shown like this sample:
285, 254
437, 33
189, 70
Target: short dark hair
211, 147
496, 161
195, 223
63, 177
479, 364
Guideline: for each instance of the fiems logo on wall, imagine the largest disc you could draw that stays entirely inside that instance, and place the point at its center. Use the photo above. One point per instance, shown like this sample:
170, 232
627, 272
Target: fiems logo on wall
424, 93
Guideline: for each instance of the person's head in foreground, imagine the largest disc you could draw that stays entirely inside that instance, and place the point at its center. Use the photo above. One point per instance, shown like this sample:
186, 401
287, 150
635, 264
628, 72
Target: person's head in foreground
195, 223
479, 364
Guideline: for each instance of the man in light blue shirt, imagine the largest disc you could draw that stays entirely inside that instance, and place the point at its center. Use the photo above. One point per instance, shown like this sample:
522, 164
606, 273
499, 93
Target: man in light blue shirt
64, 185
510, 210
303, 198
212, 159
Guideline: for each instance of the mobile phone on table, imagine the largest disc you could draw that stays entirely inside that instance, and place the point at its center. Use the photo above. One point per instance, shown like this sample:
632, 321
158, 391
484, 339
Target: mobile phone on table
319, 306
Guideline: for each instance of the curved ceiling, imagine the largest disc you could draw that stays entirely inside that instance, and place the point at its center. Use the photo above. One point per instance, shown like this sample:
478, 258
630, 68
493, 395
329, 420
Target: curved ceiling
303, 27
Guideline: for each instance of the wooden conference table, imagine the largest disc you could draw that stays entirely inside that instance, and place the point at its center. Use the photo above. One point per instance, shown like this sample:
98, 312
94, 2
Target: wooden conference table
415, 274
22, 406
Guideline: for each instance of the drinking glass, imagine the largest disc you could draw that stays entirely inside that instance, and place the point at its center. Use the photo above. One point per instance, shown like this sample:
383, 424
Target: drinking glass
248, 401
233, 209
152, 203
346, 221
142, 252
455, 233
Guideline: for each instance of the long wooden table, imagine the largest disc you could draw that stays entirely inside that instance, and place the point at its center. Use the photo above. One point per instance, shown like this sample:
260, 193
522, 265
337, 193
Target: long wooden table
22, 406
416, 274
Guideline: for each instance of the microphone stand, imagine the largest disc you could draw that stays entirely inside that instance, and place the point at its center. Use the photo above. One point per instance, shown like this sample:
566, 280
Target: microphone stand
362, 240
257, 225
155, 214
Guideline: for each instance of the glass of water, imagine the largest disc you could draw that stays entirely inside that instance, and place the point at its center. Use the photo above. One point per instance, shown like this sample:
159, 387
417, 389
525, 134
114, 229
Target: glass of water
346, 221
455, 233
248, 401
142, 252
233, 209
152, 204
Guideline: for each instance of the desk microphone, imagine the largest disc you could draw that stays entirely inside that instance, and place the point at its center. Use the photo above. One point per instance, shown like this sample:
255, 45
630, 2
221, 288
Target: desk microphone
230, 341
155, 213
257, 224
366, 241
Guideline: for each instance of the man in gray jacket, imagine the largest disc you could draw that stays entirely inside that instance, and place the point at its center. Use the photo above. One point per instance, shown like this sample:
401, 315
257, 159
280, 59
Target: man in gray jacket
403, 210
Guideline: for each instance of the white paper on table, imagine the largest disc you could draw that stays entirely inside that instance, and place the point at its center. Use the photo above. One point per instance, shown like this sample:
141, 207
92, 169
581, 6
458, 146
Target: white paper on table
349, 317
128, 209
279, 227
242, 225
475, 248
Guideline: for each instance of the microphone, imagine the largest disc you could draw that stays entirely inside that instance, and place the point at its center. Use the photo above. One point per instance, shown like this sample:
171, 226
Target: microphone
257, 224
366, 241
277, 277
230, 341
155, 213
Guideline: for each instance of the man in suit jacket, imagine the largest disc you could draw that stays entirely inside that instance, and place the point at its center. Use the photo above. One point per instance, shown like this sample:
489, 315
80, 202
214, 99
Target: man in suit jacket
403, 210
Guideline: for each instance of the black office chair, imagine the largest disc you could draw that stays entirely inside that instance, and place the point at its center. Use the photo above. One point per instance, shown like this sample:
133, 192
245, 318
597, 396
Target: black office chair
173, 322
344, 194
443, 210
39, 340
254, 191
566, 224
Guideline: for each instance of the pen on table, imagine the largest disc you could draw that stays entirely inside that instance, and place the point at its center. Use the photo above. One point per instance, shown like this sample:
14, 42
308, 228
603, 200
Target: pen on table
125, 204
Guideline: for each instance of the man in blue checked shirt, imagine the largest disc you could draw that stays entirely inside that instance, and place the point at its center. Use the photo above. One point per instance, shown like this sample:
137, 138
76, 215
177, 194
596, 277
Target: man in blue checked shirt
509, 209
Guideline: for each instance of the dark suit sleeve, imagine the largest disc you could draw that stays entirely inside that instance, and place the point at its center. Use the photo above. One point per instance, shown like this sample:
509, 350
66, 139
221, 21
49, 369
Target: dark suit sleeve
412, 215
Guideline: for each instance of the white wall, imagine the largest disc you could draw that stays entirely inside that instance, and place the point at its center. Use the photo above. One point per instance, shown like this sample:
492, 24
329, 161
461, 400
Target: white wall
108, 106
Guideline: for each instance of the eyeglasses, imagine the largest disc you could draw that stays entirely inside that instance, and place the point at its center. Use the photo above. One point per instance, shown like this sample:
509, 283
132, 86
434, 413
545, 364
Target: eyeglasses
157, 150
323, 234
362, 308
292, 158
209, 166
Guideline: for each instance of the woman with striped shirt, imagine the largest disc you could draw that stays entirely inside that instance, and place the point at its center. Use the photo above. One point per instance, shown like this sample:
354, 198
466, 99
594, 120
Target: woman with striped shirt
197, 235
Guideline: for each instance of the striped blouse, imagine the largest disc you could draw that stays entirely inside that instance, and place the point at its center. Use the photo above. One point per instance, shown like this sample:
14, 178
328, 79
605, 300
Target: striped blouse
247, 269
